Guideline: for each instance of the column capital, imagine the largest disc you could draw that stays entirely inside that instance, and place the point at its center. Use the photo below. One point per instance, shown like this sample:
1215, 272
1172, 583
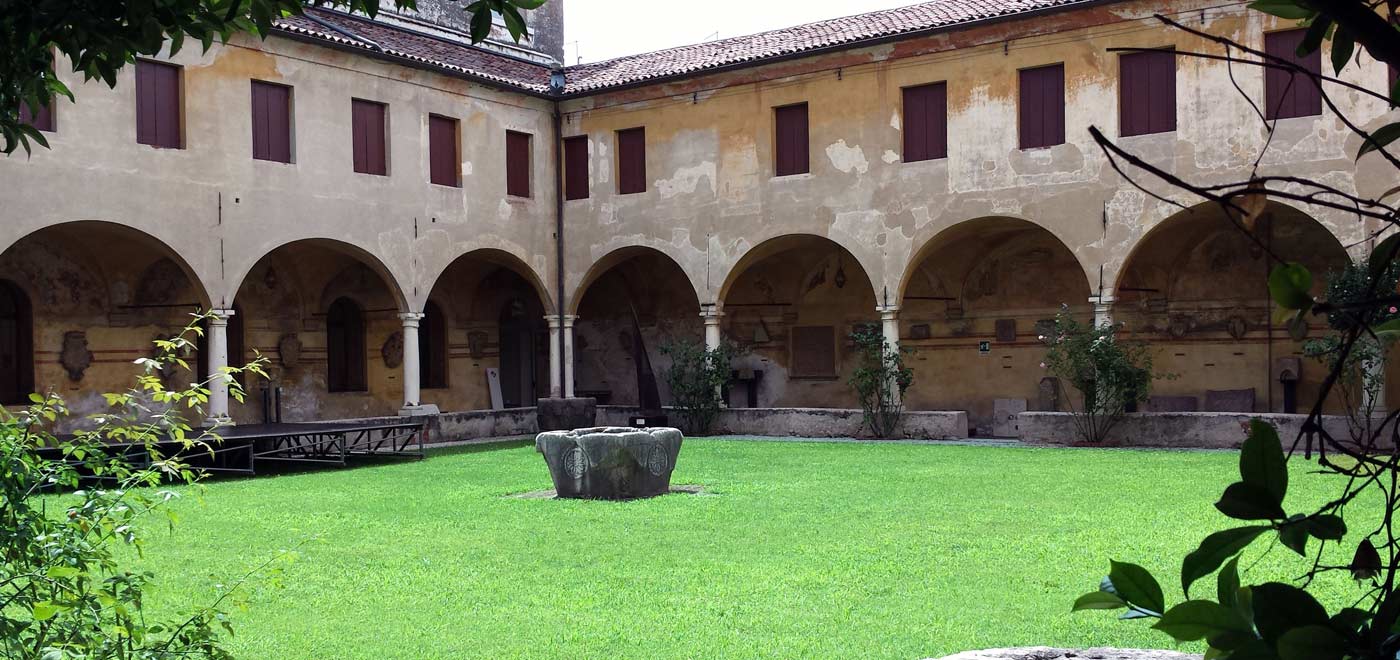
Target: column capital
220, 316
411, 318
887, 311
711, 314
1104, 297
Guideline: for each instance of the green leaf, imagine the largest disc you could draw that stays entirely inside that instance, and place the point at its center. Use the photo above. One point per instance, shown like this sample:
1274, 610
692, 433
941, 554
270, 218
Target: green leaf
1213, 552
1380, 137
1294, 535
1098, 600
1327, 527
1197, 619
481, 25
1280, 607
1290, 285
44, 610
1136, 585
1350, 618
1343, 46
1242, 501
1262, 462
1289, 9
1227, 583
1313, 39
1315, 642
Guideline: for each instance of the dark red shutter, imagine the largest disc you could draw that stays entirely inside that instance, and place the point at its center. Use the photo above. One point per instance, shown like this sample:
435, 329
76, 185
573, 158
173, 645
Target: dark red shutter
272, 122
1042, 108
1287, 95
576, 167
1146, 93
925, 122
517, 164
631, 161
367, 128
442, 151
42, 121
158, 104
790, 126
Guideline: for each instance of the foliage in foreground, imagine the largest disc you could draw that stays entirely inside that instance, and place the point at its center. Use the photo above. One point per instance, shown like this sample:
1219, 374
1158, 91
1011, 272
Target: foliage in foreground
64, 592
1110, 374
880, 381
100, 38
697, 377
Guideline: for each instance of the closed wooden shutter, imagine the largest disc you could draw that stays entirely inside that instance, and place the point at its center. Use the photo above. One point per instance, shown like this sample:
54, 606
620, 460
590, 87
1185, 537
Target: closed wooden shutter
576, 167
790, 145
432, 347
368, 132
517, 164
1042, 108
272, 122
442, 151
1146, 93
345, 347
631, 161
42, 120
813, 352
1287, 95
925, 122
158, 105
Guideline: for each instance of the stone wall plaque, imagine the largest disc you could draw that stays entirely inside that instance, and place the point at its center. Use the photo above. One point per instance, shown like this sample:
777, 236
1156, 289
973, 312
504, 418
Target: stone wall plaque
1048, 396
476, 344
1230, 400
76, 357
1162, 404
1004, 412
289, 350
392, 350
920, 331
1006, 330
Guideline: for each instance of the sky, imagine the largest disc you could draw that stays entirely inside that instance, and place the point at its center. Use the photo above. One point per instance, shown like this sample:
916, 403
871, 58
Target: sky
603, 29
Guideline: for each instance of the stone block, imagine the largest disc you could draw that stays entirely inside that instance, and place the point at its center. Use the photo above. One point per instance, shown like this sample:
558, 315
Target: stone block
610, 463
565, 414
1004, 412
1171, 404
1230, 400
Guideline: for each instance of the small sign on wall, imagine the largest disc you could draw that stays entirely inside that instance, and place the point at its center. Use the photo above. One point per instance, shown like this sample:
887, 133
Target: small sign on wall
984, 348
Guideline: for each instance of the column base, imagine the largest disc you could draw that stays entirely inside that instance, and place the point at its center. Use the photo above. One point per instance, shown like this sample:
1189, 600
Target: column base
420, 410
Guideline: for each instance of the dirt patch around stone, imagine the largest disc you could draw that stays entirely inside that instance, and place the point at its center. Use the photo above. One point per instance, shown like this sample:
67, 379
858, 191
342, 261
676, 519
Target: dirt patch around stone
1047, 653
681, 489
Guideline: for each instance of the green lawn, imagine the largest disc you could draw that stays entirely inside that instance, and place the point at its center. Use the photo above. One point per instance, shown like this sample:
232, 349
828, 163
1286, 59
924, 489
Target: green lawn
801, 550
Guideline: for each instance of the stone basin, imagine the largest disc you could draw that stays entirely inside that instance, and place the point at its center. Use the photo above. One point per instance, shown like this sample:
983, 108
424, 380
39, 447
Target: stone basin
610, 463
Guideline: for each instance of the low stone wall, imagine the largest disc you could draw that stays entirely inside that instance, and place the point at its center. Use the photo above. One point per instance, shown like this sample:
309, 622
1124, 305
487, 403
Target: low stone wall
470, 424
1185, 429
808, 422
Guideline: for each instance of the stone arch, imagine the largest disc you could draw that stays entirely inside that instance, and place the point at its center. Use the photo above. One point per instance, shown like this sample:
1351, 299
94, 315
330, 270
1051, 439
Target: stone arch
501, 258
783, 243
618, 257
367, 259
1003, 230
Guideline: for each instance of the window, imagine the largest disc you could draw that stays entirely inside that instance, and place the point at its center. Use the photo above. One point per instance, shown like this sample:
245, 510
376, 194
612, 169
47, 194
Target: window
345, 347
576, 167
442, 151
925, 122
42, 120
1287, 95
432, 348
631, 161
517, 164
16, 345
1042, 117
367, 125
1146, 93
158, 105
813, 352
272, 122
790, 143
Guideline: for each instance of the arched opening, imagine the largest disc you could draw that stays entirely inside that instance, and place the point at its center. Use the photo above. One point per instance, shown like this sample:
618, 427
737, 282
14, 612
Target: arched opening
432, 347
490, 308
792, 304
1196, 288
632, 303
974, 302
325, 315
345, 347
86, 299
16, 345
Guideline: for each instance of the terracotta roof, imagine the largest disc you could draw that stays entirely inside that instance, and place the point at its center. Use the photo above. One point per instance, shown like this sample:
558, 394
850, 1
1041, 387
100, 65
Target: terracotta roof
479, 62
428, 50
789, 41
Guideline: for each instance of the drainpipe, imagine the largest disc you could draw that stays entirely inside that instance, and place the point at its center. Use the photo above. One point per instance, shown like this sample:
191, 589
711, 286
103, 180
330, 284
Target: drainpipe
556, 84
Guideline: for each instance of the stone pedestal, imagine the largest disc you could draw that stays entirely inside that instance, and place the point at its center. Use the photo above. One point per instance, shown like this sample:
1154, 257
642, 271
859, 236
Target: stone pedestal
560, 414
610, 463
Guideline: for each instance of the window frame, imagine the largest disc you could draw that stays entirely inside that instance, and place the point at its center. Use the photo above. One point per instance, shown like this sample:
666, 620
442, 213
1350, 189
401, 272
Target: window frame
1047, 140
803, 146
158, 139
1123, 90
907, 133
455, 144
271, 156
383, 108
625, 186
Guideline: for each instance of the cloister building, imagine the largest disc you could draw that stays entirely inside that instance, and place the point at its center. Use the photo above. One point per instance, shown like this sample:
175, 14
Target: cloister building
402, 221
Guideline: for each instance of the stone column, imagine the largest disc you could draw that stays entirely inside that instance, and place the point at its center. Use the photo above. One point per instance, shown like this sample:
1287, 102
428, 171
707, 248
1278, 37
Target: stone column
412, 375
889, 327
568, 329
1103, 308
556, 385
215, 361
712, 316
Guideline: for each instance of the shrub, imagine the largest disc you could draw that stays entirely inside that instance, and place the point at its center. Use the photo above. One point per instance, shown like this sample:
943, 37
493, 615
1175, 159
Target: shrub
880, 381
64, 590
1109, 374
697, 376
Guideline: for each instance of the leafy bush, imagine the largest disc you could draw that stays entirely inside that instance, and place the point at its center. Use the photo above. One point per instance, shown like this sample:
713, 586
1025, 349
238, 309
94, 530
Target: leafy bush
697, 377
64, 590
880, 381
1109, 374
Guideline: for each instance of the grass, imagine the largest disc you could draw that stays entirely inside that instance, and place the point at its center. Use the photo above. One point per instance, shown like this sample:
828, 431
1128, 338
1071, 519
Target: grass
800, 550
